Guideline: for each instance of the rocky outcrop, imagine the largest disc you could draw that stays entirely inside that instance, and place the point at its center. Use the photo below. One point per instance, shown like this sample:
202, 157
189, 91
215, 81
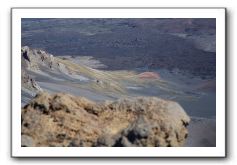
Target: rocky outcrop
29, 83
35, 59
70, 121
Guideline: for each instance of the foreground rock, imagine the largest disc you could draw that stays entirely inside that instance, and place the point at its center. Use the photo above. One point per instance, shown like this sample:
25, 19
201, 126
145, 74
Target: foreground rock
66, 120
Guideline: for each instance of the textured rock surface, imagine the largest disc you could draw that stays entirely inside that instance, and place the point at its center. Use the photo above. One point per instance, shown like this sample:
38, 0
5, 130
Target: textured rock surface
66, 120
36, 60
28, 82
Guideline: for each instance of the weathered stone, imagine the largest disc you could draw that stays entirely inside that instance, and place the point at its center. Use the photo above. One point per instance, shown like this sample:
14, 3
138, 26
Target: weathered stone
27, 141
66, 120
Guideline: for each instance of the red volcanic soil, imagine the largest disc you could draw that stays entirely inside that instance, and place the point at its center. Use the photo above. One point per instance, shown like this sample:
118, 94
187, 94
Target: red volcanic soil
149, 75
209, 85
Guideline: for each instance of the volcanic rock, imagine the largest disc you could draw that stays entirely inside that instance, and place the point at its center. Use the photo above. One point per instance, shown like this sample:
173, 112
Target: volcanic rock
64, 120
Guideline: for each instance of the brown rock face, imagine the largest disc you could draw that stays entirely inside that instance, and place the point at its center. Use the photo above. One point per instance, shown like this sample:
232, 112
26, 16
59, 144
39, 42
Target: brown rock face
70, 121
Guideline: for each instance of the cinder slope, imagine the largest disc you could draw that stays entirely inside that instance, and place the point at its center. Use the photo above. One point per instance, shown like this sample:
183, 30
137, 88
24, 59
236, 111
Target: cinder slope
43, 67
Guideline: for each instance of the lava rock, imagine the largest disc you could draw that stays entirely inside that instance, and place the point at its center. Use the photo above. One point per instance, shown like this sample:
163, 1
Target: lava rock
73, 121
